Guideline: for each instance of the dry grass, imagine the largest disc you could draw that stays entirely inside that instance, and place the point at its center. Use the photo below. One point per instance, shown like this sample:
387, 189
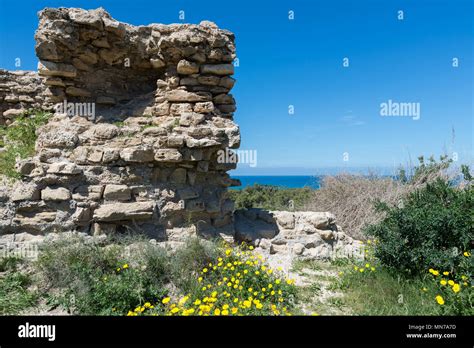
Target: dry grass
351, 197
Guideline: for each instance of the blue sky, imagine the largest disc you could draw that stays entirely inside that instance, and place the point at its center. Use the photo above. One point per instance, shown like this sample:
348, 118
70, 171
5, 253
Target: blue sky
299, 62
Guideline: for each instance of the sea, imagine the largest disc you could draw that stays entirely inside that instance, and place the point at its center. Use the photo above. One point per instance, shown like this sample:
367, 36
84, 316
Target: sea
290, 181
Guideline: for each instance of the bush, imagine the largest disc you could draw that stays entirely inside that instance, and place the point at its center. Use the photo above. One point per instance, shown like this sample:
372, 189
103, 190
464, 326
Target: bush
431, 228
14, 293
454, 290
351, 199
19, 140
270, 197
188, 260
99, 280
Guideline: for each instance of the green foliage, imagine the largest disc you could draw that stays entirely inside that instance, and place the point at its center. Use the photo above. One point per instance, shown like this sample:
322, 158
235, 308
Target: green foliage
270, 197
425, 170
380, 292
454, 291
14, 293
430, 228
19, 140
193, 256
97, 280
9, 263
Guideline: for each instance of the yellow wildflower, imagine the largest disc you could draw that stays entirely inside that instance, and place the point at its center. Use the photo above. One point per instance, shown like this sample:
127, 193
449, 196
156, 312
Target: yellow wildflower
125, 266
440, 300
456, 288
183, 300
166, 300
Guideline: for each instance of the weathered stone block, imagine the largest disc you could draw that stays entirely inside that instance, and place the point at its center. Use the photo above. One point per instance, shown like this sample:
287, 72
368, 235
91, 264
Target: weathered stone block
124, 211
55, 194
117, 193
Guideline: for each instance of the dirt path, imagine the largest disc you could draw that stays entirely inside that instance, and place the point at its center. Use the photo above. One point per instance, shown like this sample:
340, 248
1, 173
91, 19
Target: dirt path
317, 282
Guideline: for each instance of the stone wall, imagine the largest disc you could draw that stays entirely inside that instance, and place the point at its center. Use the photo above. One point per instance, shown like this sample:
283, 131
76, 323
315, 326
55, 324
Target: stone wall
146, 159
19, 91
305, 234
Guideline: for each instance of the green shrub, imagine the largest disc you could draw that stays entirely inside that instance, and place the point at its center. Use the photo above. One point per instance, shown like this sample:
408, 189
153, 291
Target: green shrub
188, 260
454, 292
270, 197
19, 140
431, 228
96, 280
14, 293
9, 263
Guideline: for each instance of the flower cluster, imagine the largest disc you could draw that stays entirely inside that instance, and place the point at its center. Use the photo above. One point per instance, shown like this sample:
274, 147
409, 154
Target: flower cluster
236, 283
454, 288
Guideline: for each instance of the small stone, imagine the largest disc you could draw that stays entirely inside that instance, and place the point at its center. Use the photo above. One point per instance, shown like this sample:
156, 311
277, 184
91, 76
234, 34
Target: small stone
298, 248
168, 155
58, 194
137, 154
12, 113
46, 68
204, 107
102, 42
25, 192
117, 192
218, 69
157, 63
187, 68
66, 168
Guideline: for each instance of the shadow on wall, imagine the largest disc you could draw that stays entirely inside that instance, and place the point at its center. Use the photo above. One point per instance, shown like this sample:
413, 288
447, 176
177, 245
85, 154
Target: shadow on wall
309, 234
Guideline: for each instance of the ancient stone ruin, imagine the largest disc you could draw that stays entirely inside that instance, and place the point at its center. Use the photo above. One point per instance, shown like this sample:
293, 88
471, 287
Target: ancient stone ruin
142, 115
